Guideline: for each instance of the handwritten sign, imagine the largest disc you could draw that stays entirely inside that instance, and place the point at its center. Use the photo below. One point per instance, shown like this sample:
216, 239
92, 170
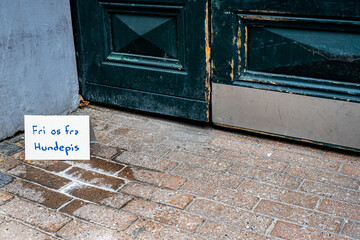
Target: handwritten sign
57, 137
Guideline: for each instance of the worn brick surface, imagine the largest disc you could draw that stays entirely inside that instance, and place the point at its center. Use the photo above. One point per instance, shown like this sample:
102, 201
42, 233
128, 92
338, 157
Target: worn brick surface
225, 195
146, 148
164, 214
352, 229
39, 176
218, 178
220, 212
351, 170
186, 146
99, 165
187, 134
347, 157
7, 163
340, 209
79, 230
153, 177
9, 149
50, 165
17, 231
266, 176
104, 151
331, 192
36, 193
255, 161
141, 160
197, 160
295, 147
322, 176
156, 194
34, 214
94, 178
5, 179
110, 217
232, 135
215, 230
291, 231
148, 230
279, 194
241, 147
300, 215
4, 197
116, 200
305, 160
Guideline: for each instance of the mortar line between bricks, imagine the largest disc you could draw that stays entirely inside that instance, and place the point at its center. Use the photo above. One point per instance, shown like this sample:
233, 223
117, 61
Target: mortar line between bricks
65, 204
318, 203
344, 221
270, 227
286, 167
170, 169
300, 185
240, 184
72, 219
256, 204
340, 168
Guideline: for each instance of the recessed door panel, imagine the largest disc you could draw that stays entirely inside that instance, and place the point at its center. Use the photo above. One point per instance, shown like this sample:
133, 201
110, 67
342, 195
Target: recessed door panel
152, 50
291, 51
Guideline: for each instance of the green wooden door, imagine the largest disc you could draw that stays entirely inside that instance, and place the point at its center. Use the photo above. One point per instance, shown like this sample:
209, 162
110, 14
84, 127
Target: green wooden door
288, 67
146, 55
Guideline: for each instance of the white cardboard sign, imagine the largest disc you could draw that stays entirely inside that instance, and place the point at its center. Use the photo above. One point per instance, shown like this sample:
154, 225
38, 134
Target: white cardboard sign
57, 137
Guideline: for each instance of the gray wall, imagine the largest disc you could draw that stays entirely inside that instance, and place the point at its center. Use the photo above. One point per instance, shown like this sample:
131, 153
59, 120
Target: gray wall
37, 61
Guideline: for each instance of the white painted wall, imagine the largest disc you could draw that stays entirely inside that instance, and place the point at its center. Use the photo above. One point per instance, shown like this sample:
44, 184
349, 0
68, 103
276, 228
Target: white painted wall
37, 61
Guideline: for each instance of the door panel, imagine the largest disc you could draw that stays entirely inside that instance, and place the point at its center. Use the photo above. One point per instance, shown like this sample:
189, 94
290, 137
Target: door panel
290, 51
154, 51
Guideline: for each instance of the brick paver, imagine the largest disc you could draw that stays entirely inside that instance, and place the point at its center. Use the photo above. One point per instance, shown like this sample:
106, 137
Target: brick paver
36, 193
38, 176
165, 214
299, 215
156, 194
220, 212
37, 215
4, 197
99, 214
98, 195
17, 231
154, 178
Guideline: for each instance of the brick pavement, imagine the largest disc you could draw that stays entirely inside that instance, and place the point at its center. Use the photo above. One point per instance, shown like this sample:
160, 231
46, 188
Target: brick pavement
155, 178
